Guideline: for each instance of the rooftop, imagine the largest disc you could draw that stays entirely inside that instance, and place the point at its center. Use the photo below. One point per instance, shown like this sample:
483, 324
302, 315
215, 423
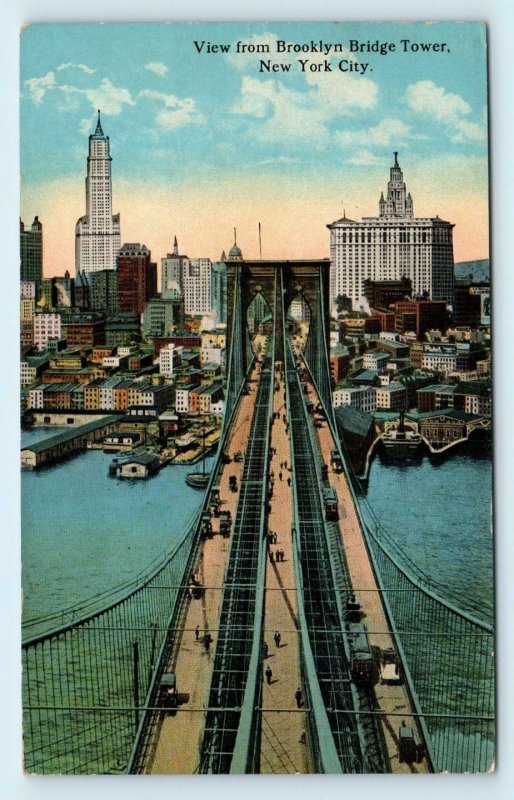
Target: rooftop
353, 420
66, 436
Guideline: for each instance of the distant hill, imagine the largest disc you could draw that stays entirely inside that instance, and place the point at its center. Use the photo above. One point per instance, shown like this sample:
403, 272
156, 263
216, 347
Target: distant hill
478, 269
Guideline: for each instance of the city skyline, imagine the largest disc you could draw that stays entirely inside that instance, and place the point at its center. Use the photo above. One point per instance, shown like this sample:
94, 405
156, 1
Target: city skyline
291, 152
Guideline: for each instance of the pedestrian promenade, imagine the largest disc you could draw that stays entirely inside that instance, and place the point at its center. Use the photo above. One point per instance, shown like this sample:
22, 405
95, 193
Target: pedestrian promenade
392, 700
283, 725
177, 738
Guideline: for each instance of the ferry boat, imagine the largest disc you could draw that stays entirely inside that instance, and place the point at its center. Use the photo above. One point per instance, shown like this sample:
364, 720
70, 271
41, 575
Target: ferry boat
400, 442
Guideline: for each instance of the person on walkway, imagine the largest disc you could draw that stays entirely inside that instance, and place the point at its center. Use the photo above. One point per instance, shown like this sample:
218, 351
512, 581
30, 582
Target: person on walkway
207, 640
197, 632
277, 637
271, 556
269, 675
264, 649
298, 697
289, 481
280, 476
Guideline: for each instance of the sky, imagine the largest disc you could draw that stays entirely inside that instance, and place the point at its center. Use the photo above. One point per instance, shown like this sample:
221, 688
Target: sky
203, 142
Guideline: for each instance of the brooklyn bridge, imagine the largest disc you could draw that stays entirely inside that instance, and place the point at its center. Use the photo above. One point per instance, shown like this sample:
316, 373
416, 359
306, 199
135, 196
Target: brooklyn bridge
283, 633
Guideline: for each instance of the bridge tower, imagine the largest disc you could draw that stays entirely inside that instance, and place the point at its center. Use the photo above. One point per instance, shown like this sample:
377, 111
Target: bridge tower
308, 279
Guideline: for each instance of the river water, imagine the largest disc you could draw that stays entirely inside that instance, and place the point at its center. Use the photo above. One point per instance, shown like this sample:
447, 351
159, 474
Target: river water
84, 532
439, 512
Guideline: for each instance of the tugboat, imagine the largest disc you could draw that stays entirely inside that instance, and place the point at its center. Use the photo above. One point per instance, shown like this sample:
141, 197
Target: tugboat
199, 480
401, 443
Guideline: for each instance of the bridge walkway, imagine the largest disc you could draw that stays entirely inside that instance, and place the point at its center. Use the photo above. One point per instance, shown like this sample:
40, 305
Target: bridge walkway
392, 701
283, 731
175, 746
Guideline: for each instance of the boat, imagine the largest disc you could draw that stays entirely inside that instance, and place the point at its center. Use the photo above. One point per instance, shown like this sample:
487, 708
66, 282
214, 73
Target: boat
401, 442
199, 480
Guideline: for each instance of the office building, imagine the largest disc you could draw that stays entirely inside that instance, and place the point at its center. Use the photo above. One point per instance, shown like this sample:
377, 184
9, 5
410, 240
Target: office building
137, 277
97, 233
31, 252
392, 246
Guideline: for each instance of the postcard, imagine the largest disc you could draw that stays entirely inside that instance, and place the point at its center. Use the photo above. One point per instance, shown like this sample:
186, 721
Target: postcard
255, 399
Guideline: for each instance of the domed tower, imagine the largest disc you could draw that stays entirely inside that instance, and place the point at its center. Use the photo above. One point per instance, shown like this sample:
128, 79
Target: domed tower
235, 253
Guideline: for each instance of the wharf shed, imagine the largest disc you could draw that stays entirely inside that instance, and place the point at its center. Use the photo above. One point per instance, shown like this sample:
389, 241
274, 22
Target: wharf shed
68, 442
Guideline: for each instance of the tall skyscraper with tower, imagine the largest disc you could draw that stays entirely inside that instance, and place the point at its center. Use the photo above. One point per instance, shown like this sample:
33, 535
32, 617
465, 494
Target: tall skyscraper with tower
97, 233
31, 253
392, 246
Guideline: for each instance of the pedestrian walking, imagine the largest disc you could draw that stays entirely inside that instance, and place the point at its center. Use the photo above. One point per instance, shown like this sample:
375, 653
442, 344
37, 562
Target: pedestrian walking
271, 556
277, 637
285, 464
269, 675
289, 481
298, 697
280, 476
274, 538
197, 632
264, 649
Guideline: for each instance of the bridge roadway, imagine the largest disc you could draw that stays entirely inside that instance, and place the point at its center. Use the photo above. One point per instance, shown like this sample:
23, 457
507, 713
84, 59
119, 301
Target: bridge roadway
392, 701
283, 748
175, 743
282, 727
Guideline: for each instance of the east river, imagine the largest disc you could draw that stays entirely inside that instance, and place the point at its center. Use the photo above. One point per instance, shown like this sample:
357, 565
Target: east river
84, 532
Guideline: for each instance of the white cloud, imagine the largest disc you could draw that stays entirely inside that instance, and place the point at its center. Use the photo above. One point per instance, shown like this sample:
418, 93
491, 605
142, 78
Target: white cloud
286, 115
176, 112
339, 94
425, 98
38, 87
86, 125
157, 68
384, 134
364, 158
290, 114
108, 97
83, 67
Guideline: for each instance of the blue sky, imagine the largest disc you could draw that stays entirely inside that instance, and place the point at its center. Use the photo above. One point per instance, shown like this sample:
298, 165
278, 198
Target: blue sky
214, 132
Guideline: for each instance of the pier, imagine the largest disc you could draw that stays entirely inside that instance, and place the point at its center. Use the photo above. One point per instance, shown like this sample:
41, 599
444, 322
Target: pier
68, 442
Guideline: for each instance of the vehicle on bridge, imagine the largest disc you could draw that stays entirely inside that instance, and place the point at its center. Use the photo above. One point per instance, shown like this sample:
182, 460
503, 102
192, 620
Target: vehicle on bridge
206, 525
353, 609
361, 666
169, 696
390, 667
225, 523
336, 460
215, 501
331, 503
407, 748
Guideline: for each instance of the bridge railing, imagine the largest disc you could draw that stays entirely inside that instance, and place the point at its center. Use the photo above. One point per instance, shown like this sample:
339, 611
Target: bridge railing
88, 684
447, 648
84, 683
